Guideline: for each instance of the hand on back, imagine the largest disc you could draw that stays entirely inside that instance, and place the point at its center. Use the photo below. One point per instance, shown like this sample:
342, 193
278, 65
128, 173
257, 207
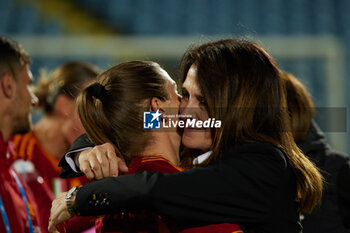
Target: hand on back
100, 162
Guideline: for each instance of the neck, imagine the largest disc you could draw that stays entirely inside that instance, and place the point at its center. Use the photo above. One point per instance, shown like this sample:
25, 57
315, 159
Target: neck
5, 134
5, 125
165, 144
48, 132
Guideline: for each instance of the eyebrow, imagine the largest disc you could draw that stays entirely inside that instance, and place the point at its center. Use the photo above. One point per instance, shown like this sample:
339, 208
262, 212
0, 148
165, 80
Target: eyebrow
199, 97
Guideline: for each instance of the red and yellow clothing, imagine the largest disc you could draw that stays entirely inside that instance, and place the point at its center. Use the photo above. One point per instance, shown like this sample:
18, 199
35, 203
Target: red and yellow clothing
134, 223
215, 228
152, 164
13, 201
29, 148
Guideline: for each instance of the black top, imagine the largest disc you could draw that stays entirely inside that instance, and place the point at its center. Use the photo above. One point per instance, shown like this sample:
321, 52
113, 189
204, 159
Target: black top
325, 217
252, 185
344, 194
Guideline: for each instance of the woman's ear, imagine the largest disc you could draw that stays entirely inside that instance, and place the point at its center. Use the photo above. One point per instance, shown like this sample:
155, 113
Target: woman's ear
155, 104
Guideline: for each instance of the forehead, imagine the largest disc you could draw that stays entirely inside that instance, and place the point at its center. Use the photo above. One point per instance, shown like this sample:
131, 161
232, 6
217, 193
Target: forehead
171, 88
191, 79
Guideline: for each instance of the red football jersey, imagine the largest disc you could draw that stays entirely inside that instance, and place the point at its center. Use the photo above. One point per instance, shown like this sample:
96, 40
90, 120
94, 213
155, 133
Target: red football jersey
142, 222
29, 148
12, 199
215, 228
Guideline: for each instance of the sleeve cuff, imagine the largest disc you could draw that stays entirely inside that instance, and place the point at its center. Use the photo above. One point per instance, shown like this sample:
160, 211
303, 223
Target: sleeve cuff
70, 160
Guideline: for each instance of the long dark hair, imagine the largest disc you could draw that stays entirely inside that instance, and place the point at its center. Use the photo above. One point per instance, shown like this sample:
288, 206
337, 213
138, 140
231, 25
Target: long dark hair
241, 84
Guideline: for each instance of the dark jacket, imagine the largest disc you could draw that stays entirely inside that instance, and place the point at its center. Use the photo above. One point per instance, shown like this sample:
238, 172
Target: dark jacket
81, 142
343, 183
252, 185
326, 216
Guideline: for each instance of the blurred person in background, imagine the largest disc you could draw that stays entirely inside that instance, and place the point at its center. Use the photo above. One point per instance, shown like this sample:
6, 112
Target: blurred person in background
43, 147
326, 216
343, 185
18, 209
251, 173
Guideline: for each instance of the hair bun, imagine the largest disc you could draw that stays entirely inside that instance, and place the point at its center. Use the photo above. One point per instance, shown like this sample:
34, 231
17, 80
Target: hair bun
97, 90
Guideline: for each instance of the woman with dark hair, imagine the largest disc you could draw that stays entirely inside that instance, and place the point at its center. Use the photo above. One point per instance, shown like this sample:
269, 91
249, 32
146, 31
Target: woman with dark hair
255, 175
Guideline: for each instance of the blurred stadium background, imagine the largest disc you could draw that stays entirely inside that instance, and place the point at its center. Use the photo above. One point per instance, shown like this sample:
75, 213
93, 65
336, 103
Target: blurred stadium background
309, 38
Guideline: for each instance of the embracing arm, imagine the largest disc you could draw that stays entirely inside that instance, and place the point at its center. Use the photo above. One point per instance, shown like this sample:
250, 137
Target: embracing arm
81, 143
96, 162
232, 190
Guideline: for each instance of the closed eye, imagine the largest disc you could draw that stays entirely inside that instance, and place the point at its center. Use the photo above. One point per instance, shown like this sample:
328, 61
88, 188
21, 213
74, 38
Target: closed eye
202, 100
185, 94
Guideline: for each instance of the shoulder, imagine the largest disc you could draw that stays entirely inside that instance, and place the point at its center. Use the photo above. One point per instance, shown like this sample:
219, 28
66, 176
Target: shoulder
344, 173
21, 140
260, 151
24, 145
336, 159
261, 162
